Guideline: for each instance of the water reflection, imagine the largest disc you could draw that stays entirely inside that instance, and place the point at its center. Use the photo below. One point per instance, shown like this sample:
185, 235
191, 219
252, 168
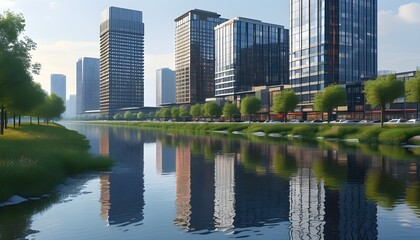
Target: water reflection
122, 190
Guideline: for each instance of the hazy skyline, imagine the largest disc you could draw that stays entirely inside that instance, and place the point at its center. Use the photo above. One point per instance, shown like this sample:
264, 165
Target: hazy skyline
68, 30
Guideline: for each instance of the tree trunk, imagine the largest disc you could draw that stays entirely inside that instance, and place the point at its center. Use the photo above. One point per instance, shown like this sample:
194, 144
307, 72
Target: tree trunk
417, 116
382, 116
14, 120
2, 120
20, 120
285, 116
6, 120
30, 119
38, 120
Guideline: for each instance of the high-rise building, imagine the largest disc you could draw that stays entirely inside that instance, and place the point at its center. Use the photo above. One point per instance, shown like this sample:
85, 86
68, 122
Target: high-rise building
121, 60
250, 53
71, 106
332, 42
194, 55
165, 86
58, 85
87, 84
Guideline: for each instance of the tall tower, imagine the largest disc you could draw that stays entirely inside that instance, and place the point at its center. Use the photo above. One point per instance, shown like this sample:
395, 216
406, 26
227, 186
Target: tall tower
250, 53
332, 42
87, 84
58, 85
165, 86
194, 55
121, 60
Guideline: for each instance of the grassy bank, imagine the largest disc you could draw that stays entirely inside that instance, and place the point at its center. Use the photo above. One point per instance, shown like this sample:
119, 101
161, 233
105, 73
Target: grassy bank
370, 134
34, 159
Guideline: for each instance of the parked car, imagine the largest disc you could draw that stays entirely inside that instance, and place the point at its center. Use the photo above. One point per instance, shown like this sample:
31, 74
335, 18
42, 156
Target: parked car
295, 121
396, 121
414, 120
349, 121
317, 121
374, 121
364, 121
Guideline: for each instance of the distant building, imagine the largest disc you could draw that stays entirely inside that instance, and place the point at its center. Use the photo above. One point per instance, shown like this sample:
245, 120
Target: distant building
87, 84
386, 72
121, 60
194, 55
165, 87
58, 85
71, 106
250, 53
333, 42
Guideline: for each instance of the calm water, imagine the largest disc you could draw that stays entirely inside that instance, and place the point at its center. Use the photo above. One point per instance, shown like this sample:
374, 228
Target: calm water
167, 186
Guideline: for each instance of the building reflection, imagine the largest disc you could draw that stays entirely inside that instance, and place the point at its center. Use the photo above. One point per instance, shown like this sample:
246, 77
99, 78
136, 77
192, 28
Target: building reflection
122, 190
183, 187
165, 158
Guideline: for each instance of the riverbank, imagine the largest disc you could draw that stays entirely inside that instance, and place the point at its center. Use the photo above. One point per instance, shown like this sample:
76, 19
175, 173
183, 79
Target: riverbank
35, 158
364, 133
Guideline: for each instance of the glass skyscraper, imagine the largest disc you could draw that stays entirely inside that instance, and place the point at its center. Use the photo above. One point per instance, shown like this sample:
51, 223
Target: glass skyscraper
122, 60
87, 85
332, 42
194, 55
250, 53
58, 85
165, 86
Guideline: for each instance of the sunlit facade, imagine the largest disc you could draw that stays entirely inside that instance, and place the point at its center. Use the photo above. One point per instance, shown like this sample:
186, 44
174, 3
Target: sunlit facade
250, 53
332, 42
194, 55
122, 60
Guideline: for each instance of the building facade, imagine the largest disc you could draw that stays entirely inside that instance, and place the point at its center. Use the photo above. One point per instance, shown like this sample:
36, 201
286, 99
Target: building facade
250, 53
87, 84
121, 60
332, 42
58, 85
70, 106
194, 55
165, 86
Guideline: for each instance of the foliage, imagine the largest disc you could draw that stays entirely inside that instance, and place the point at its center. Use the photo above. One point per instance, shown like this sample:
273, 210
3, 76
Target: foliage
211, 109
51, 108
140, 115
128, 115
183, 112
230, 109
412, 91
175, 112
383, 91
340, 131
118, 116
331, 97
165, 113
195, 110
285, 102
250, 105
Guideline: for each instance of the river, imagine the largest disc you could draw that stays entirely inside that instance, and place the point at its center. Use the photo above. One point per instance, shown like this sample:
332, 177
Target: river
170, 186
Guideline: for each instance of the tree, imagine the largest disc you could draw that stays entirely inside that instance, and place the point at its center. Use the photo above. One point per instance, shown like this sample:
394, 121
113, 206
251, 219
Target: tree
140, 115
15, 62
230, 109
51, 108
175, 112
165, 113
250, 105
118, 116
195, 110
285, 102
183, 112
329, 99
382, 92
412, 91
211, 109
128, 115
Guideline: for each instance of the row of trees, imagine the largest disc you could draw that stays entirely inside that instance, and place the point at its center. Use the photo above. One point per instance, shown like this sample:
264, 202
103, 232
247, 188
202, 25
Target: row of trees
19, 94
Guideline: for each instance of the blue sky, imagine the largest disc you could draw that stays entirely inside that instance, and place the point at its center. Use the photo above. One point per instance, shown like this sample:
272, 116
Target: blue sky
66, 30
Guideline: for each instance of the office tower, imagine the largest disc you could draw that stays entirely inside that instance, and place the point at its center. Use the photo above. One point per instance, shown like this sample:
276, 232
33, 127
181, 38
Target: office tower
194, 55
58, 85
250, 53
71, 106
165, 86
121, 60
87, 84
332, 42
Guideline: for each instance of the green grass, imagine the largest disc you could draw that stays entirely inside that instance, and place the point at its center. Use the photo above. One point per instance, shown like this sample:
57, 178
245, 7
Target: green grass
34, 159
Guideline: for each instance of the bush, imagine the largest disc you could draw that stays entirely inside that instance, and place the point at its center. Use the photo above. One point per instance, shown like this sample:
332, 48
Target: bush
339, 131
398, 135
370, 135
306, 131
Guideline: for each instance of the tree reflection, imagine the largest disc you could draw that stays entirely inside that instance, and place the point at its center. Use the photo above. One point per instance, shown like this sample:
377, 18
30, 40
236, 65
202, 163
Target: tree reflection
384, 189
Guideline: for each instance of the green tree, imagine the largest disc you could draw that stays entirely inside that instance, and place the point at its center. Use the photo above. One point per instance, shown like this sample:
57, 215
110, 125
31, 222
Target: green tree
175, 112
195, 110
250, 105
230, 109
382, 92
51, 108
211, 109
285, 102
118, 116
412, 91
183, 112
329, 99
128, 115
15, 61
165, 113
140, 115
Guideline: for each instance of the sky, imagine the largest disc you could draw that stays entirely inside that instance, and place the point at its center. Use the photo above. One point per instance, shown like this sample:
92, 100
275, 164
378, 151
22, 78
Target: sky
66, 30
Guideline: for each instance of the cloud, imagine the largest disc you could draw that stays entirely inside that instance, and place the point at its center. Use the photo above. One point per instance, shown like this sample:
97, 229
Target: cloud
410, 12
53, 5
